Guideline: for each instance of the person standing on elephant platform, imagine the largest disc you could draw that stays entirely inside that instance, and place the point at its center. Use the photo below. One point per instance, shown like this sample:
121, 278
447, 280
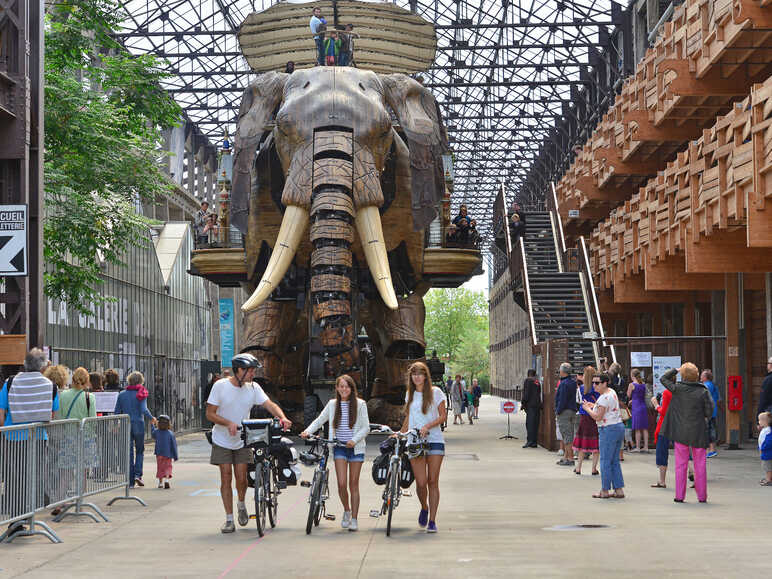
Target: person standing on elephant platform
426, 411
332, 49
318, 25
347, 46
531, 403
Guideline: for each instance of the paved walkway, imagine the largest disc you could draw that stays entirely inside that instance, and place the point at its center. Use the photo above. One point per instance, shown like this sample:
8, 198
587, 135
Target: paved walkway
499, 505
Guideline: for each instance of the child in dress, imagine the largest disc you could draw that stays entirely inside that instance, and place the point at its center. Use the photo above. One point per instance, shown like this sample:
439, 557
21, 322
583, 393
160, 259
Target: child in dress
165, 450
765, 447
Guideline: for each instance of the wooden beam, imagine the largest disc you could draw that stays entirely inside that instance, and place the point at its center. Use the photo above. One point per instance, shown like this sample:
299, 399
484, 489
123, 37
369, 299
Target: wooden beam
759, 231
726, 252
631, 290
670, 274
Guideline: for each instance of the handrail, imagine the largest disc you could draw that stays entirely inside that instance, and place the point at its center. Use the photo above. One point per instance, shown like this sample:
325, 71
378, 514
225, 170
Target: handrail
558, 219
591, 288
527, 291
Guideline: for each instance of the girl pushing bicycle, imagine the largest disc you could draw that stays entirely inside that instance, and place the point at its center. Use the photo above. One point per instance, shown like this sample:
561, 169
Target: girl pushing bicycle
426, 410
349, 423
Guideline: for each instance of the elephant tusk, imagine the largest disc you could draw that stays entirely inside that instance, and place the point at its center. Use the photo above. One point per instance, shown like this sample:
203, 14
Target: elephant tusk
293, 225
368, 222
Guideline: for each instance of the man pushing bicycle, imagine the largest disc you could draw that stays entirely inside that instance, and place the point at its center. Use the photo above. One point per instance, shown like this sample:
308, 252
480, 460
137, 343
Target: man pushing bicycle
230, 402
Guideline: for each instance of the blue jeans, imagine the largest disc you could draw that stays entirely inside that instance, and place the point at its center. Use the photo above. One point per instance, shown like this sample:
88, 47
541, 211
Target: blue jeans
610, 442
344, 59
319, 50
663, 445
135, 466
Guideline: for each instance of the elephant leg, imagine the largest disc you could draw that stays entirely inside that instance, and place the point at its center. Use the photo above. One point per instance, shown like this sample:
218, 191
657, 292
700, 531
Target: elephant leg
332, 233
264, 329
400, 334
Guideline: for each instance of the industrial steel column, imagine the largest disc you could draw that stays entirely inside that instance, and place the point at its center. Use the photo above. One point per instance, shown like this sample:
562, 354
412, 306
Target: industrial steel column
21, 159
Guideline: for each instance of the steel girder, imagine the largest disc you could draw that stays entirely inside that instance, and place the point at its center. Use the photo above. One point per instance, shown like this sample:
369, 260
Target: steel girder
520, 84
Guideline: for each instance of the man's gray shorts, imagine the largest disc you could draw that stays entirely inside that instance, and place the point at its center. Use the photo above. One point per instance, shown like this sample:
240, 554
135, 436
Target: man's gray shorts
567, 421
766, 466
222, 455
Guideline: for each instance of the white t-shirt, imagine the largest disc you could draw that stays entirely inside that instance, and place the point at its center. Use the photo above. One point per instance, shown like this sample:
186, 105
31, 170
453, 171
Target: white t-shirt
610, 401
418, 419
233, 403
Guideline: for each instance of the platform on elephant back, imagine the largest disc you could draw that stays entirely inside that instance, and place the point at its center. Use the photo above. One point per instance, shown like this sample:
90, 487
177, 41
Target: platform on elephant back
390, 39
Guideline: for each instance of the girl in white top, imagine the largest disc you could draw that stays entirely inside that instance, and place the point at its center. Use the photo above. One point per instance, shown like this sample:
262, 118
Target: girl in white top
426, 410
347, 419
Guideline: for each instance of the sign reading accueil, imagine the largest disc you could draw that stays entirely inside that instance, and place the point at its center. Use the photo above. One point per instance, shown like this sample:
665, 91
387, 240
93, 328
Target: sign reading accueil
13, 240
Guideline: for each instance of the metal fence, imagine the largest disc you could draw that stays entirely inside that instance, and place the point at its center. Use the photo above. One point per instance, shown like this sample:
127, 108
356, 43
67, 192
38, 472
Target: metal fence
59, 464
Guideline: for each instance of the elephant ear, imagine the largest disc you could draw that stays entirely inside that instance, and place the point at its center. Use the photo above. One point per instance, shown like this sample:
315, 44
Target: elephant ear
420, 119
258, 106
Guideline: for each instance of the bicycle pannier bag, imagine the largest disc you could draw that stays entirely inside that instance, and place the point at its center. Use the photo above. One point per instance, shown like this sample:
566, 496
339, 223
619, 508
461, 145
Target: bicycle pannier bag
380, 469
406, 477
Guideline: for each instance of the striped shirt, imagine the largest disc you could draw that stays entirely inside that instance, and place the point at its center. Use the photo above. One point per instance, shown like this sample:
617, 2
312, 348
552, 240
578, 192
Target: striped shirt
344, 432
30, 398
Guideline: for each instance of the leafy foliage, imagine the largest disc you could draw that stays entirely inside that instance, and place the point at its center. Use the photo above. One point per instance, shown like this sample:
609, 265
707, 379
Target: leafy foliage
104, 111
455, 317
473, 358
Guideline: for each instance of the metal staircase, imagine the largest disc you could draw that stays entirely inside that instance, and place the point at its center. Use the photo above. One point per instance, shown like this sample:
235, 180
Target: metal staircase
557, 298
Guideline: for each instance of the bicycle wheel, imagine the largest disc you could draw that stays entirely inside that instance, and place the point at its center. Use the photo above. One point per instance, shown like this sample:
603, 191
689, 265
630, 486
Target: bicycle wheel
322, 493
393, 490
272, 497
259, 500
313, 505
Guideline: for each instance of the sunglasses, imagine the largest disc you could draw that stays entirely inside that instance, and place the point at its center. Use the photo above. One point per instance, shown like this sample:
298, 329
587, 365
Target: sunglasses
596, 381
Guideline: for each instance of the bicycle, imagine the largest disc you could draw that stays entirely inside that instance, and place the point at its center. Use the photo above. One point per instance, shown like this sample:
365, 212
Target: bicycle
320, 488
258, 435
392, 491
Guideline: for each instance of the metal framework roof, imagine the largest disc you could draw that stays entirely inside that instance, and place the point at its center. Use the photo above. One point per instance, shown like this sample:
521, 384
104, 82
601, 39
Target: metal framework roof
520, 83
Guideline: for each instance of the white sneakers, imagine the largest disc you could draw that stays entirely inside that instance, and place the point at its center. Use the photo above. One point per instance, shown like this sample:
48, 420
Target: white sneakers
353, 526
346, 521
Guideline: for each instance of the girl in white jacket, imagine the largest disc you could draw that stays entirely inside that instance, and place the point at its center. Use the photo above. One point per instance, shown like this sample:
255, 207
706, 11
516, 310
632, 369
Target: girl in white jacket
348, 421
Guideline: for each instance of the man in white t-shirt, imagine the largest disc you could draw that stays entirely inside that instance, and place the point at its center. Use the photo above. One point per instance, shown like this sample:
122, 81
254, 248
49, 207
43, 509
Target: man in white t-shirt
230, 402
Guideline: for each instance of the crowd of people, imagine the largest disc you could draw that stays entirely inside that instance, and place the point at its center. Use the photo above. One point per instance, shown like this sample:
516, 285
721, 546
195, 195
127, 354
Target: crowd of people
599, 413
463, 397
334, 47
61, 394
463, 229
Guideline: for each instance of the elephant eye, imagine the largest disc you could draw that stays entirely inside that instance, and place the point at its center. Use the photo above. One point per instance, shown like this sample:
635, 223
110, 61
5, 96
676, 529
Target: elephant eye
308, 82
362, 87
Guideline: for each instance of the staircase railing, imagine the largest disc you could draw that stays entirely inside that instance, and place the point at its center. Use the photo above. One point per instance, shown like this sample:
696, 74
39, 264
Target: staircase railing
520, 254
595, 320
557, 229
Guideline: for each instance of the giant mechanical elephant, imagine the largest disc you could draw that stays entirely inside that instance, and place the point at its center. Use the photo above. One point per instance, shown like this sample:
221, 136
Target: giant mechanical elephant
319, 147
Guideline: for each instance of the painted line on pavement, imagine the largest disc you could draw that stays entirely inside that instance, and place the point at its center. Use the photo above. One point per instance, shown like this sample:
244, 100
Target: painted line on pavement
246, 551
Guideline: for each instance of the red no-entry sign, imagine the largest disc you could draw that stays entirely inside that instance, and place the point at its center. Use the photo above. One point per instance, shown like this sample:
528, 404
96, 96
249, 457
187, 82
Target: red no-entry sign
508, 407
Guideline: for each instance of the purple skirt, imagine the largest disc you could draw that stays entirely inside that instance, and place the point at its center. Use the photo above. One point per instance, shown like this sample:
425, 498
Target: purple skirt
640, 416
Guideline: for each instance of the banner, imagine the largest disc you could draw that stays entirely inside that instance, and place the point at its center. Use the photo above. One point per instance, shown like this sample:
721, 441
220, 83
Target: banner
227, 326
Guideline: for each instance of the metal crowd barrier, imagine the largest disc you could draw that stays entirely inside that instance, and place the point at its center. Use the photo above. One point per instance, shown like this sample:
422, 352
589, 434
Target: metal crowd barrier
59, 464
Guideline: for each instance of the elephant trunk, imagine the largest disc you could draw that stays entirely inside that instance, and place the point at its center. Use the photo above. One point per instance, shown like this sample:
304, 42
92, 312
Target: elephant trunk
332, 233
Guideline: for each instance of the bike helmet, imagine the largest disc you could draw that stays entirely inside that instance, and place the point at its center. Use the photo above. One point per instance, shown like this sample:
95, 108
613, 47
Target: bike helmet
245, 361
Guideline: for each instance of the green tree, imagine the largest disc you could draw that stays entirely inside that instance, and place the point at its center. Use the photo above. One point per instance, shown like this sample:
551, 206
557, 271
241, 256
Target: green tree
473, 358
104, 111
452, 314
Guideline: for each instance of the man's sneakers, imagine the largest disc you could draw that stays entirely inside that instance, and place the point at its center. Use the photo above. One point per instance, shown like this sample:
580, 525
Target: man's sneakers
353, 525
228, 527
138, 482
423, 518
432, 528
712, 453
345, 522
243, 516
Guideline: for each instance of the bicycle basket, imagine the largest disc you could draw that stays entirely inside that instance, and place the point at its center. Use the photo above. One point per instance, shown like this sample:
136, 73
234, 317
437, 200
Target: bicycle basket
406, 477
380, 469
